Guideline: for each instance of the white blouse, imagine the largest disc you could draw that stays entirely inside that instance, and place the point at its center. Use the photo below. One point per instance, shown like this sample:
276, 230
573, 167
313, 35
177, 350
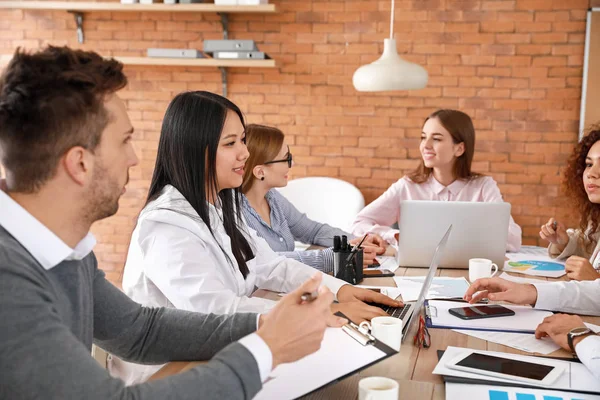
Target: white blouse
174, 261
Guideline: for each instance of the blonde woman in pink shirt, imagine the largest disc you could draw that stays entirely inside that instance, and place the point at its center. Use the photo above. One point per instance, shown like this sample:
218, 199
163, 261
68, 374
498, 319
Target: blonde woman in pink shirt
444, 174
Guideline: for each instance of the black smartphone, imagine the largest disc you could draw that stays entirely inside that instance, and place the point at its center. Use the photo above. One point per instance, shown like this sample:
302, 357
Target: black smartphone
476, 312
377, 273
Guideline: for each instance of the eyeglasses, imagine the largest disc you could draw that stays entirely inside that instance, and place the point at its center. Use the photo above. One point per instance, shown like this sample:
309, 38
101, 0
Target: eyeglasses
288, 160
422, 338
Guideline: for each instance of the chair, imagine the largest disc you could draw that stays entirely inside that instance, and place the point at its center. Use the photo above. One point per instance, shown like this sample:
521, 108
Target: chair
327, 200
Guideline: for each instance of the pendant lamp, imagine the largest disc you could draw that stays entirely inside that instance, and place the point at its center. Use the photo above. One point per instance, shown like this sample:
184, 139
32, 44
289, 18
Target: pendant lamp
390, 71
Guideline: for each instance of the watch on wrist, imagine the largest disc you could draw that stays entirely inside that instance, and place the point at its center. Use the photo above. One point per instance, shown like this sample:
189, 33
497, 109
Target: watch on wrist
576, 332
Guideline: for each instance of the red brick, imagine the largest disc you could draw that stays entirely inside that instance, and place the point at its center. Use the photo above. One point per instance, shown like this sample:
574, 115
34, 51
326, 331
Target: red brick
498, 26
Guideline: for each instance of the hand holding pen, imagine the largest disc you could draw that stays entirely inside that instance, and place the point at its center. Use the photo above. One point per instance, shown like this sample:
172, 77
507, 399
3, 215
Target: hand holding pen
555, 233
294, 328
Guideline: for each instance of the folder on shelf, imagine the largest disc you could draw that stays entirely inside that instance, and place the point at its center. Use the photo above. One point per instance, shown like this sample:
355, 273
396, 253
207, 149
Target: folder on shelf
525, 320
210, 46
258, 55
344, 351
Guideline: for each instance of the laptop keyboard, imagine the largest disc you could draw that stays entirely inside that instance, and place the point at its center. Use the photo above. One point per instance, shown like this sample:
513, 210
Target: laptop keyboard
396, 312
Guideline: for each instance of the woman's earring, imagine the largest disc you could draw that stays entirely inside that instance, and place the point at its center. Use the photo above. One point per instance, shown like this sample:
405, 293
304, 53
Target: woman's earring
262, 178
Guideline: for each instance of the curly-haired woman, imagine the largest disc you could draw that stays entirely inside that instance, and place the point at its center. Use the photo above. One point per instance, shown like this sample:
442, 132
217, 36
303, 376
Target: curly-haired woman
582, 184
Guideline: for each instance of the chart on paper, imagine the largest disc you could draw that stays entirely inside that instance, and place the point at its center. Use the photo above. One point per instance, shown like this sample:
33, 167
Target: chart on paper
534, 265
486, 392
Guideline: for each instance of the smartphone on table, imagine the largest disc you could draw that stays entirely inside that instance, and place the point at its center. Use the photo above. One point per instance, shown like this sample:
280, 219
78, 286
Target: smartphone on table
543, 372
377, 273
477, 312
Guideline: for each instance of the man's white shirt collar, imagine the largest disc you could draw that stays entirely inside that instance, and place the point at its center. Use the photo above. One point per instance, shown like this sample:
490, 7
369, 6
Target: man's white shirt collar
40, 242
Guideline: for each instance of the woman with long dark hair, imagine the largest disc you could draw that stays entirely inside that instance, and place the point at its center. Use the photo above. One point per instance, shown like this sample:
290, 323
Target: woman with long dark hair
191, 248
582, 185
444, 174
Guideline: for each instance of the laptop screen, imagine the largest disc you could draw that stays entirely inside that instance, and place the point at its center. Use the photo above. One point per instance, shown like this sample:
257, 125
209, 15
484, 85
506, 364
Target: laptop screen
427, 283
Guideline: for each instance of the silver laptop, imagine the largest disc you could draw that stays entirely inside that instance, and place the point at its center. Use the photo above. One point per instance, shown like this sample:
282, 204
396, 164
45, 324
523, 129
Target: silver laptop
480, 231
410, 311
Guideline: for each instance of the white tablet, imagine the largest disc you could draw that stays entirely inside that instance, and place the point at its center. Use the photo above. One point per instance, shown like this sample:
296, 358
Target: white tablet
541, 372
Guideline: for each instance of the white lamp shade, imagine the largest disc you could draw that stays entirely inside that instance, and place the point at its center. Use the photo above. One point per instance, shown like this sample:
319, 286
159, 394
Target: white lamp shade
389, 72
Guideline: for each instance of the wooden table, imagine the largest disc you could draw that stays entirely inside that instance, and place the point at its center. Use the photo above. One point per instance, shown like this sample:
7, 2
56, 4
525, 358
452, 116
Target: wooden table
412, 366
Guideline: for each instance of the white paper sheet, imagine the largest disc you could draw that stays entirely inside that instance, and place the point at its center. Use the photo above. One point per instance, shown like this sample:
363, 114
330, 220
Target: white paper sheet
525, 318
456, 391
339, 355
387, 262
575, 376
441, 287
534, 265
391, 292
520, 341
517, 279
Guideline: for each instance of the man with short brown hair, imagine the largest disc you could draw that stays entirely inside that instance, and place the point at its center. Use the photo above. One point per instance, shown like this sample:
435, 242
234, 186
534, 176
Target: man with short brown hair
65, 143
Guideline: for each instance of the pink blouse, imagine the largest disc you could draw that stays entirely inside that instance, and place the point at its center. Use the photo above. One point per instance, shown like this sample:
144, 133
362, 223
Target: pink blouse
384, 211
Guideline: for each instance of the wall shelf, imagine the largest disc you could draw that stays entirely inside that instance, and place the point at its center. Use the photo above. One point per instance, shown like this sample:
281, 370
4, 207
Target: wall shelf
115, 6
77, 8
185, 62
181, 62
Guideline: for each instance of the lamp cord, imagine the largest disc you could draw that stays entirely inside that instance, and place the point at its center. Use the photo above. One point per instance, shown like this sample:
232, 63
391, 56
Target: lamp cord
392, 21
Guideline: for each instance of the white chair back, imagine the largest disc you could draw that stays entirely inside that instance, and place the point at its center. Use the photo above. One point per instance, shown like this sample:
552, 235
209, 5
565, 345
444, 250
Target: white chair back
327, 200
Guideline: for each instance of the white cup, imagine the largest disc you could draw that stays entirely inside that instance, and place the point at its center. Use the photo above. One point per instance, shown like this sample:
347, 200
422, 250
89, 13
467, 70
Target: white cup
377, 388
481, 268
386, 329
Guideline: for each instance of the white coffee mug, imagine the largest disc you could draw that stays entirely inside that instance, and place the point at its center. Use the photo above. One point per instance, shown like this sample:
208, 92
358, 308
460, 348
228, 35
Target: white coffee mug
378, 388
386, 329
481, 268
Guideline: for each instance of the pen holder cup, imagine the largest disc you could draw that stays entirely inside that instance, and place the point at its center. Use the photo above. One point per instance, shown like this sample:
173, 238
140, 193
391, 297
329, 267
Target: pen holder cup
348, 271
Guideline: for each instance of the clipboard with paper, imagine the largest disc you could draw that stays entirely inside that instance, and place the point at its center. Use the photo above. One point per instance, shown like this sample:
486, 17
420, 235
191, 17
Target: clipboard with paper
344, 351
525, 320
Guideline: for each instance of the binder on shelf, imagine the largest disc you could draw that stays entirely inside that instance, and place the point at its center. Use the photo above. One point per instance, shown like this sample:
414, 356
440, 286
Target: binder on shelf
344, 351
525, 320
257, 55
174, 53
210, 46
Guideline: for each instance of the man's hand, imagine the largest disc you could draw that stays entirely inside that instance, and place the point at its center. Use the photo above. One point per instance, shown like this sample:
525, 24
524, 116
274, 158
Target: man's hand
369, 254
357, 311
294, 329
372, 240
580, 269
557, 326
349, 293
498, 289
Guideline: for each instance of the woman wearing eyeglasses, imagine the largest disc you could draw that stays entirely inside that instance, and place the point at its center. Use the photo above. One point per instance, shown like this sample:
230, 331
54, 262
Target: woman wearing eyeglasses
274, 218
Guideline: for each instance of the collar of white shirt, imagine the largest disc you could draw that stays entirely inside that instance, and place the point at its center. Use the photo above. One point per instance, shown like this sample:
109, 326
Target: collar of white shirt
40, 242
454, 188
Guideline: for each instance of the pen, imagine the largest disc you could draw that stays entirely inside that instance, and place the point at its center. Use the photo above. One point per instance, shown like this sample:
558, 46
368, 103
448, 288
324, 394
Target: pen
353, 251
308, 296
554, 225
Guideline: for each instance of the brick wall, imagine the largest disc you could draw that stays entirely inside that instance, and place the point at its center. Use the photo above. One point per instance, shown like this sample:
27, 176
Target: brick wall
514, 65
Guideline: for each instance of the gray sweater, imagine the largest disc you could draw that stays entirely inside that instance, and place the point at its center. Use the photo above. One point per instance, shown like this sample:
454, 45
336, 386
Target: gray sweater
48, 320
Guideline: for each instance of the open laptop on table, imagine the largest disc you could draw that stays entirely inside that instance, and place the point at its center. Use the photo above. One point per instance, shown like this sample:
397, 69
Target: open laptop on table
410, 311
480, 231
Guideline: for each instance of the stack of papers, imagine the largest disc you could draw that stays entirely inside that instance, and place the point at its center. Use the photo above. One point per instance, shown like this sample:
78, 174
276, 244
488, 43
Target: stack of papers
441, 287
492, 392
575, 376
516, 279
521, 341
